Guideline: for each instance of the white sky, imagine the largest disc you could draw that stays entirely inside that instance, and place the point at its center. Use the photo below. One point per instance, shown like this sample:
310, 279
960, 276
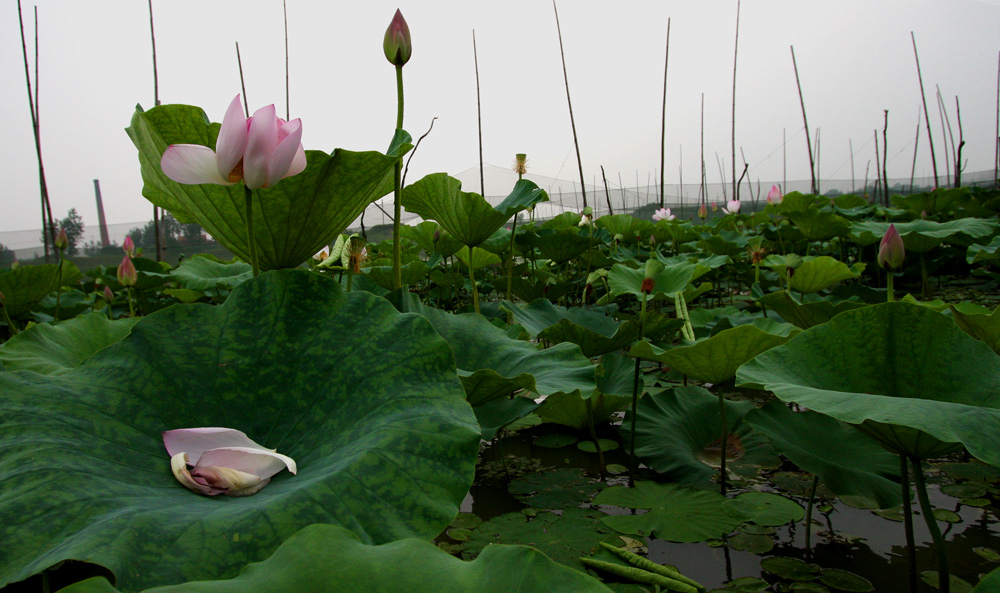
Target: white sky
854, 56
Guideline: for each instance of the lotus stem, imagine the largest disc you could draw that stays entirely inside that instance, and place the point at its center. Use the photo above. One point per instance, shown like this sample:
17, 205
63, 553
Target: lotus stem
59, 283
472, 279
890, 295
635, 398
13, 328
251, 240
131, 307
944, 579
510, 266
809, 513
725, 438
593, 435
911, 546
397, 251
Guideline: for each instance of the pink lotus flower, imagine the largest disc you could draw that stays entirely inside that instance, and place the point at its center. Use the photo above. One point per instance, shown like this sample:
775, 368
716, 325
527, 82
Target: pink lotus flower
732, 207
890, 251
703, 211
663, 214
222, 461
128, 246
774, 196
259, 151
127, 274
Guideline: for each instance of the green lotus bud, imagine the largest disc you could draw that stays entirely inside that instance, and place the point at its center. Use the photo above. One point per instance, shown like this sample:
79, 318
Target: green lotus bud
397, 44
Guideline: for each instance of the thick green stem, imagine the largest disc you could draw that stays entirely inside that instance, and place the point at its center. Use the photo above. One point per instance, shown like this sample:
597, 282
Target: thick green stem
472, 279
251, 240
6, 317
131, 307
725, 438
510, 268
809, 513
59, 284
944, 584
924, 282
593, 435
397, 250
635, 398
911, 546
890, 295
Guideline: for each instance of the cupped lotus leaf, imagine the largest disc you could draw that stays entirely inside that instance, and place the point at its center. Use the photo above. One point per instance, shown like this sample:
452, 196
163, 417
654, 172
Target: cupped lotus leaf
795, 201
715, 359
560, 245
814, 311
921, 236
906, 375
294, 219
819, 225
846, 461
202, 273
990, 583
690, 415
491, 364
303, 564
498, 243
431, 238
479, 257
726, 244
55, 349
595, 332
764, 508
25, 286
820, 273
467, 216
980, 253
667, 282
675, 514
625, 225
498, 413
983, 327
364, 400
575, 411
411, 273
938, 200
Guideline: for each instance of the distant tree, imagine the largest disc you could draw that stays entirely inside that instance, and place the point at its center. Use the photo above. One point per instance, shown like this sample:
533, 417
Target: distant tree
73, 225
6, 255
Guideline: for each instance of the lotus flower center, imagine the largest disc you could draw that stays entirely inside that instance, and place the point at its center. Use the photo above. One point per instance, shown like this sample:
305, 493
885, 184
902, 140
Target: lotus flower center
237, 173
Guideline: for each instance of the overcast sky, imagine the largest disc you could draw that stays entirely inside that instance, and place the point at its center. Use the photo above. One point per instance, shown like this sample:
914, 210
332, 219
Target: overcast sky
855, 59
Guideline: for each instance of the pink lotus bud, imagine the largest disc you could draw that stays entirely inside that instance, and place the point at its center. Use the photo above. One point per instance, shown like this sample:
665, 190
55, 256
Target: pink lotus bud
128, 246
108, 295
397, 44
774, 196
62, 241
127, 274
890, 251
715, 208
703, 211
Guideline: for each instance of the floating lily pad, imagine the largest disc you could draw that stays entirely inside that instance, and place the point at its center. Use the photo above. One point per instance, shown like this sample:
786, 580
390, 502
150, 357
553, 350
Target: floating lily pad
555, 489
372, 413
964, 490
989, 554
555, 440
589, 447
302, 564
675, 513
752, 542
764, 508
55, 349
947, 516
957, 584
791, 569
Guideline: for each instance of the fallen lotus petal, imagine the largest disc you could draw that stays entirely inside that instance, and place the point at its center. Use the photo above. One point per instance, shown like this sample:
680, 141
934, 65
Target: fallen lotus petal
223, 460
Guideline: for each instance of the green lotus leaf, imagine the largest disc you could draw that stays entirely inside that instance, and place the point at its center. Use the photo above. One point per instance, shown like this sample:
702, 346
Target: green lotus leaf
364, 399
727, 244
675, 514
990, 583
492, 365
819, 225
559, 488
983, 327
667, 282
906, 375
410, 274
560, 245
480, 257
715, 359
938, 200
814, 311
498, 413
798, 202
625, 225
792, 569
764, 508
25, 286
202, 273
54, 349
691, 416
980, 253
846, 461
820, 273
294, 219
302, 564
595, 332
467, 216
431, 238
498, 243
920, 236
843, 580
573, 410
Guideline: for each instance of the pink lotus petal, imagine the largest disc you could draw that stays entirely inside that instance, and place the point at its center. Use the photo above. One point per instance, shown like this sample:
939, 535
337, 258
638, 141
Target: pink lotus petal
262, 141
233, 482
178, 465
232, 141
284, 153
195, 441
191, 164
262, 463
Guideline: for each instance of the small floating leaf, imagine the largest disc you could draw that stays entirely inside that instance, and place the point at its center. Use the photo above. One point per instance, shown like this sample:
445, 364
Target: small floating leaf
755, 544
989, 554
588, 446
964, 490
947, 516
555, 440
845, 581
764, 508
792, 569
958, 584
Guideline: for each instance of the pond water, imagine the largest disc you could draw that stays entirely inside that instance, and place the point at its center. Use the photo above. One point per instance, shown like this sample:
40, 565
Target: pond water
844, 537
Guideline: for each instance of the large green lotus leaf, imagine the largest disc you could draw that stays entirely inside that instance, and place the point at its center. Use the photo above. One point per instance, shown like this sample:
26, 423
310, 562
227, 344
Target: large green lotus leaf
592, 330
558, 488
491, 364
497, 413
715, 359
990, 583
562, 537
25, 286
673, 429
330, 559
668, 282
467, 216
807, 314
727, 244
626, 225
560, 245
819, 225
293, 219
203, 273
820, 273
410, 274
431, 238
846, 461
909, 376
983, 327
764, 508
364, 399
980, 253
54, 349
920, 236
479, 257
575, 411
675, 514
932, 202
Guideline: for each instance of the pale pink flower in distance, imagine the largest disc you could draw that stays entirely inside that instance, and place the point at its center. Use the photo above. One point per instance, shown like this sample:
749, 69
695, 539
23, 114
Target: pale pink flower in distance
222, 461
732, 207
774, 196
128, 246
260, 151
702, 211
663, 214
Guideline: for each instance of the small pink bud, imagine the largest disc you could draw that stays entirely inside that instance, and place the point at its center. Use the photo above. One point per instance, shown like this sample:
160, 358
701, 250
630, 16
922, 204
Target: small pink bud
128, 246
62, 241
774, 196
127, 274
890, 251
714, 207
703, 211
108, 295
397, 44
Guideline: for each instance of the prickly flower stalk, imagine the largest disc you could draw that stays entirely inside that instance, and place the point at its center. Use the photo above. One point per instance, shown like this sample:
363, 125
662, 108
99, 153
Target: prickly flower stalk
520, 164
398, 47
61, 243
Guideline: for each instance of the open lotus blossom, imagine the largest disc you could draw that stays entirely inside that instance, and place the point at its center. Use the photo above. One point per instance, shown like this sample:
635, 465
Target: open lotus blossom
260, 151
213, 461
663, 214
732, 207
774, 196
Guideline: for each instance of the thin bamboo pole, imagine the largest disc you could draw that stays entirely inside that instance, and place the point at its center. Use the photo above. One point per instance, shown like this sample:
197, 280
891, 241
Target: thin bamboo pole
812, 166
736, 46
156, 101
927, 117
663, 116
572, 122
479, 117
